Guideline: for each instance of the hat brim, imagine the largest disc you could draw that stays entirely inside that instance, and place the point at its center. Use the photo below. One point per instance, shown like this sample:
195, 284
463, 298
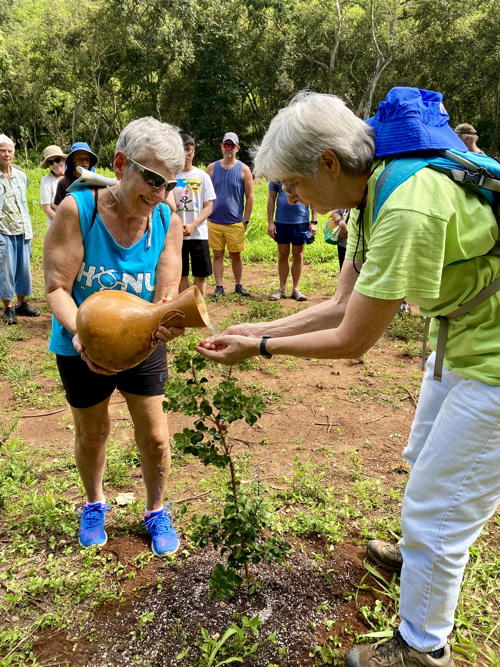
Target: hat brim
93, 158
43, 164
409, 136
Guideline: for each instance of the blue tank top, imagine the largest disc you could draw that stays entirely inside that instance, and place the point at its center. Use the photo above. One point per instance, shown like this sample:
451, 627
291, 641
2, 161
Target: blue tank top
107, 265
288, 214
228, 185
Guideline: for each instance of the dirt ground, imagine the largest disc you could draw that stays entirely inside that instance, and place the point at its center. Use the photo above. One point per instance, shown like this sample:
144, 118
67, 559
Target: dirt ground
350, 417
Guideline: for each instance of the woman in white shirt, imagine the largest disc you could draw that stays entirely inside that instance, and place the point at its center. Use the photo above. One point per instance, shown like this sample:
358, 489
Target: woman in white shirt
53, 159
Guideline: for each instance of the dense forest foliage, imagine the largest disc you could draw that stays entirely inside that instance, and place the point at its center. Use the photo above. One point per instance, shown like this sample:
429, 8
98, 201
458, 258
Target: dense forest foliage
81, 69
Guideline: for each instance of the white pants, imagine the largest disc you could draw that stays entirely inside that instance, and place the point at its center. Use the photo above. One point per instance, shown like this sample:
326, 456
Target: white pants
454, 487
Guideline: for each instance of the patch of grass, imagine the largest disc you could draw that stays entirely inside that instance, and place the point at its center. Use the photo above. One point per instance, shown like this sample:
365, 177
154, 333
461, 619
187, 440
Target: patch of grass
263, 311
45, 581
406, 327
322, 521
121, 460
368, 493
307, 484
239, 643
476, 638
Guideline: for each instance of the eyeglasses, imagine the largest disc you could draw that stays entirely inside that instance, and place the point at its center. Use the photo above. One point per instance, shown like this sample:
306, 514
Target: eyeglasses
56, 160
228, 145
189, 148
152, 178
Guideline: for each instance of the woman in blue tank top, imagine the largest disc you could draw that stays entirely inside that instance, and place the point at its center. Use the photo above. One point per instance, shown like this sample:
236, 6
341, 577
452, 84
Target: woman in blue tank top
124, 238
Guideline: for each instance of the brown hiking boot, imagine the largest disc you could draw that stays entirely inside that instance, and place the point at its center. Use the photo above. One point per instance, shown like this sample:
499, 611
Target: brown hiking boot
384, 554
395, 652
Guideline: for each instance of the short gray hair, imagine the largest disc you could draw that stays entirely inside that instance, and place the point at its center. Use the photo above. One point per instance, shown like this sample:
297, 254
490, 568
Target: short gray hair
4, 139
146, 135
309, 125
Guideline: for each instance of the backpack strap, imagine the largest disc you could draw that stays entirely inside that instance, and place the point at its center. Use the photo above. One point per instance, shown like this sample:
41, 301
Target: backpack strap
395, 174
94, 213
474, 173
481, 296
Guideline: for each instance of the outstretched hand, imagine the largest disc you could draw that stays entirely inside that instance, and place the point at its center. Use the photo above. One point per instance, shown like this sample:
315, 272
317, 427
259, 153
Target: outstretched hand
228, 349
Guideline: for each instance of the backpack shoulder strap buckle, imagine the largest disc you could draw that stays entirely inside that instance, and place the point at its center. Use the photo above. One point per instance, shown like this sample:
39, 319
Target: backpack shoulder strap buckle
473, 177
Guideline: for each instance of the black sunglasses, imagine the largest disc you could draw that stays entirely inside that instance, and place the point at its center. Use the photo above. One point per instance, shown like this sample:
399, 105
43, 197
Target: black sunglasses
152, 178
54, 159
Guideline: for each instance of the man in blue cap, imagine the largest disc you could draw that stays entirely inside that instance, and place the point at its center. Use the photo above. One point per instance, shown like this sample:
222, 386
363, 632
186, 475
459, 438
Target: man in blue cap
227, 225
432, 242
80, 155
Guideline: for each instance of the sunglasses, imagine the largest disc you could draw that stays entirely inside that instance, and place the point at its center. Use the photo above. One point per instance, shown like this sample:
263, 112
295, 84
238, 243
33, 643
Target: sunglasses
153, 179
55, 160
227, 145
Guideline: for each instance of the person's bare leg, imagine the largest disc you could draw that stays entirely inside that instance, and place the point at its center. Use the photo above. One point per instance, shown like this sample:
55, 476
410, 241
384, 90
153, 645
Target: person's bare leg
297, 264
91, 433
218, 262
151, 435
283, 268
237, 267
201, 284
184, 284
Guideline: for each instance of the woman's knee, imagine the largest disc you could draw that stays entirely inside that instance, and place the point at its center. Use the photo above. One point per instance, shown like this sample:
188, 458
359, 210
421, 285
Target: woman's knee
92, 437
154, 444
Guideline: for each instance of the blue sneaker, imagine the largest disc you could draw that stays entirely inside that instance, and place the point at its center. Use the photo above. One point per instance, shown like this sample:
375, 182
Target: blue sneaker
92, 531
164, 539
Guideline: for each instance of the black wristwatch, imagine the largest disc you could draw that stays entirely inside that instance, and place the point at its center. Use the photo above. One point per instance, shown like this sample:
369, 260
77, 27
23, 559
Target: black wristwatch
314, 222
262, 347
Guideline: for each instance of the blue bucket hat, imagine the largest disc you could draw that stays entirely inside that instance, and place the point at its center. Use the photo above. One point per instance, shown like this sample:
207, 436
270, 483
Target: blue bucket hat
412, 119
80, 146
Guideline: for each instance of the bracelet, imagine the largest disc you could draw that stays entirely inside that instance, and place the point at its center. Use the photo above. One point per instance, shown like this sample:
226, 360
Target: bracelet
262, 347
314, 222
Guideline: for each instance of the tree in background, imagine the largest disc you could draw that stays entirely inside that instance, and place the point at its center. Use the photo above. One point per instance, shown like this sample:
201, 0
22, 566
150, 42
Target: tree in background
81, 69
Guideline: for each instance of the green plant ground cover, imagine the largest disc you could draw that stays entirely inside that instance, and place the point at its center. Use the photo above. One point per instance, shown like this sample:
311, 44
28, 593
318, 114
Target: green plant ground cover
327, 453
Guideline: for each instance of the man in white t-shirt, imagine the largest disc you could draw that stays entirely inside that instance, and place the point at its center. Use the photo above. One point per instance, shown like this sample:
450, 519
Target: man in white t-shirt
194, 197
53, 159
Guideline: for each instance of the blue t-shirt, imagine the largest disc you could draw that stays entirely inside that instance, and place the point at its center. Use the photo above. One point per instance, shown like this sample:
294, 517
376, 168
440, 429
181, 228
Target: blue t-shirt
107, 265
230, 191
288, 214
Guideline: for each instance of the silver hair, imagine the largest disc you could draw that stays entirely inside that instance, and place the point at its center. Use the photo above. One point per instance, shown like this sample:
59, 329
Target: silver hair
4, 139
309, 125
148, 135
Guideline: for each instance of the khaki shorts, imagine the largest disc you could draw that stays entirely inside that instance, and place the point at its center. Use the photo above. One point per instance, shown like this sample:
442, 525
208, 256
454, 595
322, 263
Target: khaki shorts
231, 235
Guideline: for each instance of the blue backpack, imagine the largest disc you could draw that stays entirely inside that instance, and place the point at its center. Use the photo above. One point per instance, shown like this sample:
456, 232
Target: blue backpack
478, 173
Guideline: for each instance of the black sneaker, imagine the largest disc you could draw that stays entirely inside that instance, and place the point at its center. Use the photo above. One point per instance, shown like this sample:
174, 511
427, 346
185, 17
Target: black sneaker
26, 310
239, 289
9, 316
219, 291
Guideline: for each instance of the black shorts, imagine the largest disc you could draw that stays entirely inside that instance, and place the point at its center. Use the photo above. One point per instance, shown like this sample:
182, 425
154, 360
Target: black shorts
84, 388
196, 250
